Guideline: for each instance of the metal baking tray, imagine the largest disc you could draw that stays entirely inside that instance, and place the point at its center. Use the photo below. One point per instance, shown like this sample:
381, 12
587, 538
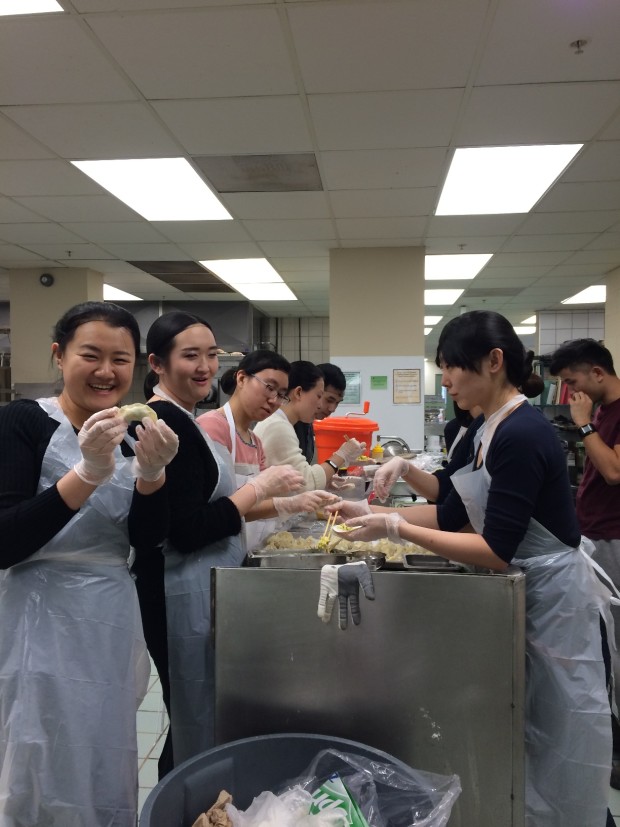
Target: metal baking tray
429, 562
308, 559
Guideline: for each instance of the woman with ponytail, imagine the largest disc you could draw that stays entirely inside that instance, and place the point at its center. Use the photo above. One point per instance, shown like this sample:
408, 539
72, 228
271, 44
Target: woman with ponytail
515, 495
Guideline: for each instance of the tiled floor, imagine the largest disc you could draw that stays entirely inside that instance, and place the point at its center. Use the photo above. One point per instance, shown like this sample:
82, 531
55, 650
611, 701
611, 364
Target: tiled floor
152, 723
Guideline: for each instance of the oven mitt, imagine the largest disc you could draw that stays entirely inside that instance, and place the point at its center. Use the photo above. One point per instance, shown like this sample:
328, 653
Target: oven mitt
350, 577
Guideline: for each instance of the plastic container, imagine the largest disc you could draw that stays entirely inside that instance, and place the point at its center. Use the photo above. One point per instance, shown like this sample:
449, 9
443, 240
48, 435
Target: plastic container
243, 768
330, 433
377, 452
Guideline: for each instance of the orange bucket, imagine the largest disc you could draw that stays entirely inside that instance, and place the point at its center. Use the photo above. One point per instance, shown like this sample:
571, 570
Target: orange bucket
330, 433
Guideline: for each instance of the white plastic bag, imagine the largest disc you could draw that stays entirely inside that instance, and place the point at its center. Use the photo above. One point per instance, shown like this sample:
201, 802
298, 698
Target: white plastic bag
290, 809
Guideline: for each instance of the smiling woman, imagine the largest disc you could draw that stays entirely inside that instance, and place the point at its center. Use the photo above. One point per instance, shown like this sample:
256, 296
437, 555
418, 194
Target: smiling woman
68, 609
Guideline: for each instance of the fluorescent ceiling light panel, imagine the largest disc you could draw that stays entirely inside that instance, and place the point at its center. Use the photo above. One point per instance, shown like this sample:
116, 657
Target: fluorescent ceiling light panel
267, 292
529, 320
159, 189
459, 266
591, 295
236, 271
432, 320
28, 7
111, 294
427, 330
523, 330
442, 296
502, 179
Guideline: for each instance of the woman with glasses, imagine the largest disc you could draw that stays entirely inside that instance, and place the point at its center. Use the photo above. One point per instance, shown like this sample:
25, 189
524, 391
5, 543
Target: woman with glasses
280, 442
206, 521
257, 388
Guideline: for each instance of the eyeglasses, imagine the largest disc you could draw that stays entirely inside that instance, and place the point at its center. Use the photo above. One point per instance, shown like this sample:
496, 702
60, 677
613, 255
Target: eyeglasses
272, 393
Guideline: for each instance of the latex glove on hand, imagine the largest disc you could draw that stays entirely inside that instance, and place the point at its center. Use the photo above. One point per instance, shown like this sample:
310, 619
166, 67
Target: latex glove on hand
350, 451
308, 501
156, 447
349, 508
328, 592
276, 481
378, 525
97, 438
387, 475
350, 577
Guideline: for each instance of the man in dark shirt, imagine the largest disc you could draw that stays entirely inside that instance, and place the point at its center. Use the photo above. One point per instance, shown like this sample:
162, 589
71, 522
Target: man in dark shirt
335, 386
587, 368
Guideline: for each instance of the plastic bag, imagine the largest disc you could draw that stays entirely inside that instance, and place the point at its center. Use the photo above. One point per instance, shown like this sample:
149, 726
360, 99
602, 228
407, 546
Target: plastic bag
290, 809
386, 795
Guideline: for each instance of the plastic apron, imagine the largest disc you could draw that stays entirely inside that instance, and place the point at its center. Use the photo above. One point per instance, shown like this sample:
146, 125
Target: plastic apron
567, 715
188, 612
256, 531
73, 663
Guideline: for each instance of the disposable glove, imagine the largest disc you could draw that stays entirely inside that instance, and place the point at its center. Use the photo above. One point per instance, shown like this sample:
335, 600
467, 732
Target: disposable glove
349, 508
276, 481
328, 592
308, 501
350, 577
157, 446
97, 438
350, 451
387, 475
377, 525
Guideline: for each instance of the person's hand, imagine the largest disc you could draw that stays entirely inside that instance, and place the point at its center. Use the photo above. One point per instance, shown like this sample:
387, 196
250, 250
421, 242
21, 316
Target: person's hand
308, 501
328, 592
349, 508
581, 408
97, 438
377, 525
350, 577
350, 451
157, 446
387, 475
276, 481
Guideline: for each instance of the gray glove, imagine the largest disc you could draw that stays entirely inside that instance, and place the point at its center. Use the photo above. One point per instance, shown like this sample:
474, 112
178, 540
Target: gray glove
350, 577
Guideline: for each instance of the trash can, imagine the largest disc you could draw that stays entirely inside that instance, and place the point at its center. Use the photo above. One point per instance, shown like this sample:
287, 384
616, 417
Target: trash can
244, 769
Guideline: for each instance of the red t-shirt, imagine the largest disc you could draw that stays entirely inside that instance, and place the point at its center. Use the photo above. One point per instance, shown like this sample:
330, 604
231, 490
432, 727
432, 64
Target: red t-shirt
598, 503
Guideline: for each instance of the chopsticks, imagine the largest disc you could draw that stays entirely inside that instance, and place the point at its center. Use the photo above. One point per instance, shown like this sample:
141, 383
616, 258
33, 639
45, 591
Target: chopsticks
327, 533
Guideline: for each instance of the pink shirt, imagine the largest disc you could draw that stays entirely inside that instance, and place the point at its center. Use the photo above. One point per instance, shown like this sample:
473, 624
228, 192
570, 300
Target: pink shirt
216, 425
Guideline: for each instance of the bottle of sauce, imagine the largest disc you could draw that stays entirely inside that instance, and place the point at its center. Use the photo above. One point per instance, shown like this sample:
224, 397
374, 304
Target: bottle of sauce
377, 452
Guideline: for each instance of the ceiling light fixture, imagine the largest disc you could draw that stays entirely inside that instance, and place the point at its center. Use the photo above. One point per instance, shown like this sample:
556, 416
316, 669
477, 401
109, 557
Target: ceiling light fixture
9, 7
594, 294
432, 320
524, 330
529, 320
447, 297
254, 278
502, 179
112, 294
158, 189
458, 266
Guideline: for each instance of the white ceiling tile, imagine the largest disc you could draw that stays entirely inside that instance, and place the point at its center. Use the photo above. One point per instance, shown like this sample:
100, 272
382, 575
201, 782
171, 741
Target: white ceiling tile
53, 60
612, 130
507, 274
529, 43
266, 205
384, 228
97, 131
40, 233
299, 248
293, 229
13, 213
586, 270
382, 168
11, 255
474, 244
536, 113
202, 232
450, 226
318, 263
114, 231
222, 52
606, 241
598, 162
380, 242
53, 177
256, 126
61, 251
215, 250
598, 195
607, 259
545, 243
385, 44
385, 120
147, 5
79, 207
146, 252
579, 221
381, 203
17, 144
542, 258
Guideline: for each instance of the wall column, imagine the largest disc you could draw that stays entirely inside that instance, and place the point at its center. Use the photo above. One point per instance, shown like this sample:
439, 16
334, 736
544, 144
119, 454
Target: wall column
376, 326
612, 316
35, 309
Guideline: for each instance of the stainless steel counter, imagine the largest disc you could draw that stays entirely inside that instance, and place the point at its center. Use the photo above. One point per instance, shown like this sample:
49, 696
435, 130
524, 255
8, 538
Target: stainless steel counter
434, 674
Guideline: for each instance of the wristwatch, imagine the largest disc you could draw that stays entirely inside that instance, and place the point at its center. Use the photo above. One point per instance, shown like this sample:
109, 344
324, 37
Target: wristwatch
332, 464
587, 429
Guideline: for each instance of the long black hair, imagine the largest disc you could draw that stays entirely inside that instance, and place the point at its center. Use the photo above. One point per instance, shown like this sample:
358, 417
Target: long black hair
160, 340
254, 362
467, 339
304, 375
79, 314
